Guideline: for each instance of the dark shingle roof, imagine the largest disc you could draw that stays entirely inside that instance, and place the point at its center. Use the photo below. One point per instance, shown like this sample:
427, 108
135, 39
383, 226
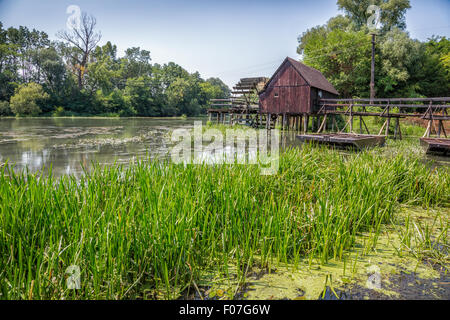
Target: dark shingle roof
314, 77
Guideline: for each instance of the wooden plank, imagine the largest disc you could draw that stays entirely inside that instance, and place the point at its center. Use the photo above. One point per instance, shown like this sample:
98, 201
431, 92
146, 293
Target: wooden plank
436, 146
344, 140
443, 99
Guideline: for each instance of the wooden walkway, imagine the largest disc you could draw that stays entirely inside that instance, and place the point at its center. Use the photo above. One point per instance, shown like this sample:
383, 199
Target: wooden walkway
312, 126
430, 109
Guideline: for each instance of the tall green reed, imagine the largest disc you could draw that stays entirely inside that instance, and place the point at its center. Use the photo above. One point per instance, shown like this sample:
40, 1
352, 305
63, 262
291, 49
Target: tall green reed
152, 229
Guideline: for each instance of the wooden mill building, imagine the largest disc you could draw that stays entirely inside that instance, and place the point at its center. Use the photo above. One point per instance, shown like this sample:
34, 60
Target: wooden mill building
297, 93
295, 89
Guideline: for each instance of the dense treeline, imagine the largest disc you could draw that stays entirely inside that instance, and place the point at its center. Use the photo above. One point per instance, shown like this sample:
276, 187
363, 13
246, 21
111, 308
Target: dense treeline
341, 50
75, 76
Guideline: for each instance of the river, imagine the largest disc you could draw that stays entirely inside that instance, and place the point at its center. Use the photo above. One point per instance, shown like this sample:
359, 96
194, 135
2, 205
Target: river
69, 144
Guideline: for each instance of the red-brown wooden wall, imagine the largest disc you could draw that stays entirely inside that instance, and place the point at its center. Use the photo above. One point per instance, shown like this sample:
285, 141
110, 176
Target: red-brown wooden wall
293, 93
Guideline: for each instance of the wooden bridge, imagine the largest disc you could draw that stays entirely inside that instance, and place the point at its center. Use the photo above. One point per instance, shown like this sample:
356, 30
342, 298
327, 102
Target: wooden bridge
430, 109
312, 126
297, 94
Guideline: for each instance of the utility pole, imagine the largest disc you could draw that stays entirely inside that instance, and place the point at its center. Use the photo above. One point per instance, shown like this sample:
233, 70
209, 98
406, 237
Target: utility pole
372, 71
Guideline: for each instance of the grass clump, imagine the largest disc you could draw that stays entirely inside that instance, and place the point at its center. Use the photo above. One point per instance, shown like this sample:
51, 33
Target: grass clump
150, 230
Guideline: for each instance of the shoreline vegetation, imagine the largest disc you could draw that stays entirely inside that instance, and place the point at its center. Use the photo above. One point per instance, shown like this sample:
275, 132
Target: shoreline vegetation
330, 224
102, 117
157, 230
74, 75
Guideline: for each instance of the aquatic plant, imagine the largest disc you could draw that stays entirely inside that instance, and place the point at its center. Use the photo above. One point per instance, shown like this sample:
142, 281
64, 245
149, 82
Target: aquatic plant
151, 229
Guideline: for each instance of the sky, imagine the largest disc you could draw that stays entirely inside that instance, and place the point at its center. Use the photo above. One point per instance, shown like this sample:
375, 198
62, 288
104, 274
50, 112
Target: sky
226, 39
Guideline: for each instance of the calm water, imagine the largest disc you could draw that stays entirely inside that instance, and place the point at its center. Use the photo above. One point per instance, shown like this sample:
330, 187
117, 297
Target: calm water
68, 144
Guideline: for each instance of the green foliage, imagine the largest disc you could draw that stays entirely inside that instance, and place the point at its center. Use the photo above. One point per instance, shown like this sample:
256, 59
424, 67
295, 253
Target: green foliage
5, 109
392, 12
156, 227
59, 112
125, 86
341, 50
26, 100
341, 55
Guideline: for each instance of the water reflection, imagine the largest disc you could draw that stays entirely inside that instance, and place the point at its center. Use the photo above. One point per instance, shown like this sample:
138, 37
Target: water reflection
69, 144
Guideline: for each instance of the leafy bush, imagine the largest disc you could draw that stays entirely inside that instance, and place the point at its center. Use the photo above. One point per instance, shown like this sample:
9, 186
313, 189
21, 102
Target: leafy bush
5, 109
26, 99
59, 112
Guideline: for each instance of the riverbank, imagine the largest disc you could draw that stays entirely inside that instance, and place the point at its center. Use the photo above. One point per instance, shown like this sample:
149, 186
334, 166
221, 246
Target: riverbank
160, 230
99, 117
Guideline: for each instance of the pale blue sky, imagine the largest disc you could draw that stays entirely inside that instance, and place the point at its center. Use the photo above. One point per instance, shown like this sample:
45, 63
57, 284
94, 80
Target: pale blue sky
228, 39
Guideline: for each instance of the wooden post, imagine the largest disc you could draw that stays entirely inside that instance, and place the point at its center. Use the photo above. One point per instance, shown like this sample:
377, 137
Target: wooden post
360, 125
305, 124
351, 118
323, 125
268, 121
381, 130
388, 121
444, 113
364, 123
396, 127
388, 124
372, 71
427, 132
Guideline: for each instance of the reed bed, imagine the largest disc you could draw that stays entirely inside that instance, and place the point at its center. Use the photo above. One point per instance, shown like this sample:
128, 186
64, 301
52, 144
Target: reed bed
151, 229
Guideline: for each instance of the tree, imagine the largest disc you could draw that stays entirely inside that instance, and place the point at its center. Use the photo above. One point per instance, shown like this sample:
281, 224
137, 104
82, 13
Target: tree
136, 63
183, 95
81, 77
392, 12
222, 90
341, 50
399, 54
5, 110
105, 69
342, 55
52, 71
27, 43
26, 99
171, 72
139, 96
8, 65
435, 71
84, 39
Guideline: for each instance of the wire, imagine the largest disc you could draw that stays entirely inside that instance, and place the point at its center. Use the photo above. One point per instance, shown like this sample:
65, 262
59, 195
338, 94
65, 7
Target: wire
278, 61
